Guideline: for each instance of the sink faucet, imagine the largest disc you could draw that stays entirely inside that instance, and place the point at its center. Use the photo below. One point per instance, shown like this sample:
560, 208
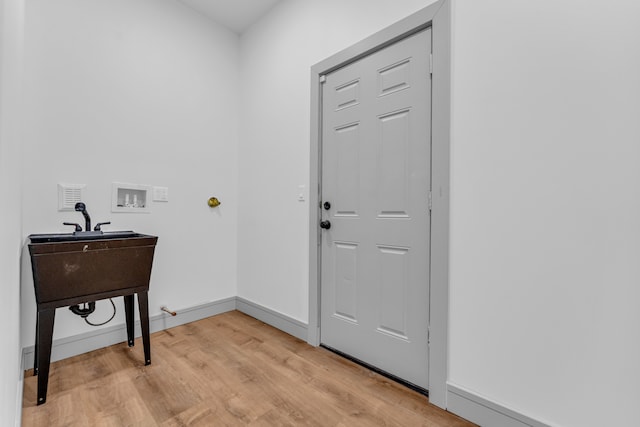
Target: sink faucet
81, 207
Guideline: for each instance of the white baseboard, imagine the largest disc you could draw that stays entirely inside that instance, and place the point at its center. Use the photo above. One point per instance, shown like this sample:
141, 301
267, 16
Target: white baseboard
104, 337
278, 320
19, 394
165, 321
89, 341
484, 412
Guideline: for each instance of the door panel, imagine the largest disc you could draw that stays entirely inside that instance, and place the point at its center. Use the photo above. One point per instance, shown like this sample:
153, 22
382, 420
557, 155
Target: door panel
376, 175
347, 169
393, 278
346, 281
393, 165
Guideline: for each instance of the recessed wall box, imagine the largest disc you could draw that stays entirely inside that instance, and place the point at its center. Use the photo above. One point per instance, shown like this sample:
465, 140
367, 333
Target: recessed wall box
69, 195
133, 198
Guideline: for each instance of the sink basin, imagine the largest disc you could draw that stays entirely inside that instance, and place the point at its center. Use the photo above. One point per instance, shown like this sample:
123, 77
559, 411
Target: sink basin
82, 235
83, 267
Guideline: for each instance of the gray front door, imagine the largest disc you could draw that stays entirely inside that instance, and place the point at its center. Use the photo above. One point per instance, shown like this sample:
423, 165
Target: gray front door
376, 179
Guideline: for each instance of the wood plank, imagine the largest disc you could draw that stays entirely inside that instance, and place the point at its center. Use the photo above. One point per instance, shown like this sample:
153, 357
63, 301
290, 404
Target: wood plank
226, 370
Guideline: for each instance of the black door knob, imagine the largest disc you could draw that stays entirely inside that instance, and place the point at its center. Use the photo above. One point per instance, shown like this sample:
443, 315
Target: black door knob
327, 205
325, 224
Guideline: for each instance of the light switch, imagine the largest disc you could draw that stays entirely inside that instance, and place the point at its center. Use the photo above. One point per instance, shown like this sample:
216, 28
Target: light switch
302, 193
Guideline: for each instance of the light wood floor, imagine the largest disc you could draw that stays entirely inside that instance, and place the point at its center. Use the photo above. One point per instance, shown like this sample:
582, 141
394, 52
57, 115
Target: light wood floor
227, 370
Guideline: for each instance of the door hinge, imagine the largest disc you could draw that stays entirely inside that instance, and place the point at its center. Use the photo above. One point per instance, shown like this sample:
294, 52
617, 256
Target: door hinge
430, 201
431, 64
323, 79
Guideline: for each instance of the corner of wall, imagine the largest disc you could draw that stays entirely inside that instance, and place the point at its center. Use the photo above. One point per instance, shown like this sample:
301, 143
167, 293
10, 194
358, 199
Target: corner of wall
11, 48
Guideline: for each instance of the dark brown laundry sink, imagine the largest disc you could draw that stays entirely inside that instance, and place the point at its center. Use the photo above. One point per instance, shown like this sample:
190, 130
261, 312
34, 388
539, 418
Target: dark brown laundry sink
83, 267
86, 266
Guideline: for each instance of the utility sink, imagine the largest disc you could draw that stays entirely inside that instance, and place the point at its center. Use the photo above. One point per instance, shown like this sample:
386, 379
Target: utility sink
88, 266
83, 267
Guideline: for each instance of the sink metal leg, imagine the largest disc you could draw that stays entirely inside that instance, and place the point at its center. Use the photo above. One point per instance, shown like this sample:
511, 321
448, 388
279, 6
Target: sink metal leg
128, 313
44, 334
35, 351
143, 306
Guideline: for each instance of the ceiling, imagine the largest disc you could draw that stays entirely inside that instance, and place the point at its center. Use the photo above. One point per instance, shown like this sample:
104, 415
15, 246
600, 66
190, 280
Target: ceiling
237, 15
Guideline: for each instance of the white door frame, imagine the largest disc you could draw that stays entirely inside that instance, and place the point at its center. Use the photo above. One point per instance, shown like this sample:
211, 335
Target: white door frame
438, 17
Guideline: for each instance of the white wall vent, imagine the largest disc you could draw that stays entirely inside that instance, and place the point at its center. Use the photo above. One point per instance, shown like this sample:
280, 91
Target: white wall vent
69, 195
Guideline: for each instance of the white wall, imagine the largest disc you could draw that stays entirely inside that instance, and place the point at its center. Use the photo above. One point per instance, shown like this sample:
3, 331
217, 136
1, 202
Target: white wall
545, 208
11, 20
545, 194
137, 91
277, 54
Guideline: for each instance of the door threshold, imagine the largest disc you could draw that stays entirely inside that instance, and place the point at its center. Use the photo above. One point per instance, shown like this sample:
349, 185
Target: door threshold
386, 374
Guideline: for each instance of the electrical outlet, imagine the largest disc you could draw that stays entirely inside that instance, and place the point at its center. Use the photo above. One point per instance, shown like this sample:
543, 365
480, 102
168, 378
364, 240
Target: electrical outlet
160, 194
